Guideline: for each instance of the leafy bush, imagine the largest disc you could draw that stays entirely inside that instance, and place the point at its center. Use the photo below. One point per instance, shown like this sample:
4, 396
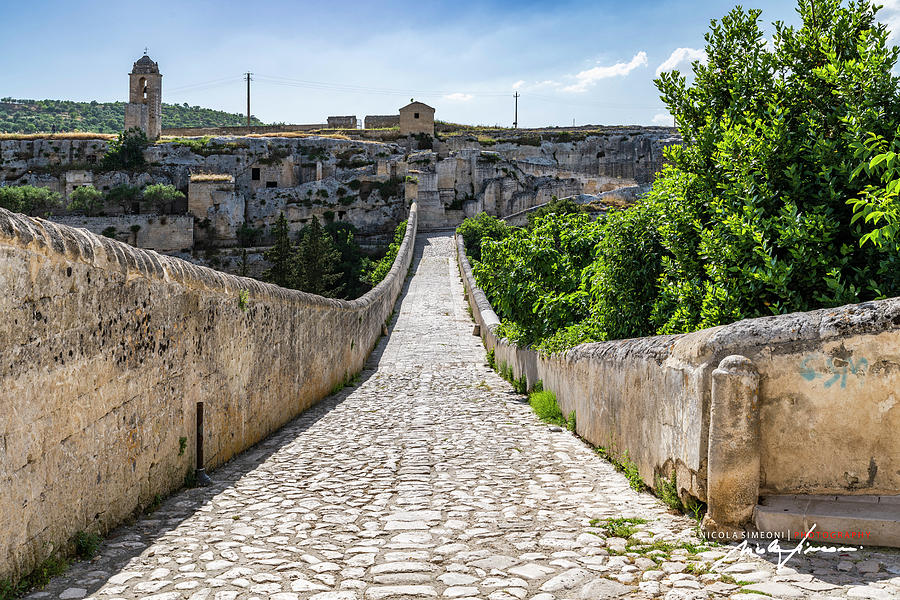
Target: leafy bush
86, 199
474, 230
161, 196
565, 206
29, 199
124, 195
380, 269
533, 278
127, 152
751, 217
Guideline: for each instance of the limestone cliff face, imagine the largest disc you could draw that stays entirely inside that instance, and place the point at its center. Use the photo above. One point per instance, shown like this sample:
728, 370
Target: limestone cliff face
366, 183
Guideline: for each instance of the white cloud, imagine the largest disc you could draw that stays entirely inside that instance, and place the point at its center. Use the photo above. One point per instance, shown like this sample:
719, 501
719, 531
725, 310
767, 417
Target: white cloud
518, 84
679, 56
458, 97
890, 16
592, 76
663, 119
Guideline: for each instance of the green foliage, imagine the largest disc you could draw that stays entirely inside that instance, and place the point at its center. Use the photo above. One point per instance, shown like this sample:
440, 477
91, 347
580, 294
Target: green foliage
352, 264
667, 491
534, 278
391, 188
243, 300
182, 445
38, 578
317, 262
379, 270
32, 116
622, 527
124, 195
545, 407
751, 216
86, 199
248, 236
280, 256
127, 151
161, 196
483, 227
87, 545
492, 363
879, 204
28, 199
109, 232
566, 206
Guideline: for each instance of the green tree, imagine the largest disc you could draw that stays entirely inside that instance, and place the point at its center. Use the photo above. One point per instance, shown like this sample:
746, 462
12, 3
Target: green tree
752, 216
161, 196
28, 199
86, 199
351, 262
317, 262
127, 151
281, 256
124, 195
564, 206
378, 270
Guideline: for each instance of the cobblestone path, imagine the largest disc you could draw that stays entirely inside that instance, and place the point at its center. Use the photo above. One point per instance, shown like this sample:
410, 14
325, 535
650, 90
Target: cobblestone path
431, 478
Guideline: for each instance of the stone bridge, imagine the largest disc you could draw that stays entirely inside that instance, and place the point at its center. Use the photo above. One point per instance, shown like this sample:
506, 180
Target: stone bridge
427, 477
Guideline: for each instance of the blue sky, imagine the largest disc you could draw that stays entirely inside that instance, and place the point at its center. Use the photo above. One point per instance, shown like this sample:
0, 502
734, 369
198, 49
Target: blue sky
593, 62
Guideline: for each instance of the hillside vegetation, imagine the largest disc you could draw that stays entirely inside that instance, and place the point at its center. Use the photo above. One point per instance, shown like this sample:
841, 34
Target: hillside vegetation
785, 196
31, 116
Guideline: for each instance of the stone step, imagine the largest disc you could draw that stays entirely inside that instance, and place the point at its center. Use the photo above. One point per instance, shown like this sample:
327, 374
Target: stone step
874, 519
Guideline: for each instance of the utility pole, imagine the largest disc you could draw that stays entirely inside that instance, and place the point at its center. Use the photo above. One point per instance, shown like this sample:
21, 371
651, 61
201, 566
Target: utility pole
248, 74
516, 121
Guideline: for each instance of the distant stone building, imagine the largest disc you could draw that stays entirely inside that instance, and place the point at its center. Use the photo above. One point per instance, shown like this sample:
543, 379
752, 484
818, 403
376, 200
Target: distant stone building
348, 122
144, 108
416, 117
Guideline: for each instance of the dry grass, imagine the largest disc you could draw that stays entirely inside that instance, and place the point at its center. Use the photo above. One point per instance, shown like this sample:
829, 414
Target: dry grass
211, 177
296, 134
65, 135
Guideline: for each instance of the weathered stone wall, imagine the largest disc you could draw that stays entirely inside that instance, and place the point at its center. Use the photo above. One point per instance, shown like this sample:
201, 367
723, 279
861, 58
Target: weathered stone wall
104, 352
381, 121
826, 400
163, 233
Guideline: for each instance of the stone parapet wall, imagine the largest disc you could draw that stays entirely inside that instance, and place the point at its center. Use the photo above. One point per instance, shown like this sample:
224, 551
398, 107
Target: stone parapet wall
105, 351
823, 410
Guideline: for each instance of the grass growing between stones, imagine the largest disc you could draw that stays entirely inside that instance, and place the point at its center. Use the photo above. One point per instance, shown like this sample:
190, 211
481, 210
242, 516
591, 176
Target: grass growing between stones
545, 407
622, 527
38, 578
624, 464
87, 545
667, 491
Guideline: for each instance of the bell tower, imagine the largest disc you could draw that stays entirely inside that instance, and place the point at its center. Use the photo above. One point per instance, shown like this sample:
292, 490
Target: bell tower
144, 108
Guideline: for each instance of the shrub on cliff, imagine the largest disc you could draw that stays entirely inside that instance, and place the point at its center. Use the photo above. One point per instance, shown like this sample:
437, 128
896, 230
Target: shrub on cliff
379, 270
86, 199
126, 152
28, 199
161, 196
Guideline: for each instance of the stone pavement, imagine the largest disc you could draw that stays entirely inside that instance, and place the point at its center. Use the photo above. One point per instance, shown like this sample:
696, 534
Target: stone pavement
431, 478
